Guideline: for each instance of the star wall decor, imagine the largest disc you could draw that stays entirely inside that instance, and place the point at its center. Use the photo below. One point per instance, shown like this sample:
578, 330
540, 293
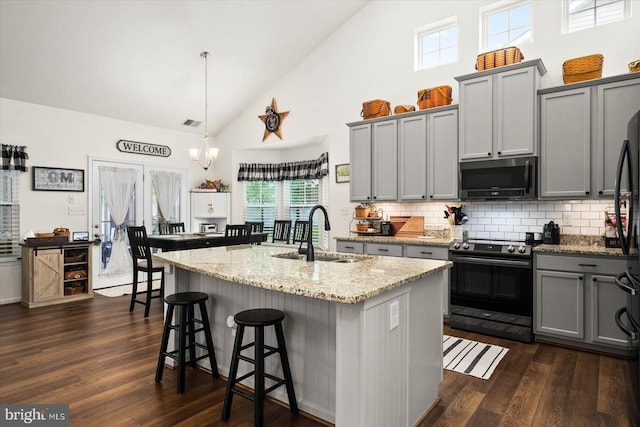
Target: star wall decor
272, 120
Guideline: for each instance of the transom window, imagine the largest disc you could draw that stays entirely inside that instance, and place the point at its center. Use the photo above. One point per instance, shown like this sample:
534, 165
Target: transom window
582, 14
436, 44
507, 24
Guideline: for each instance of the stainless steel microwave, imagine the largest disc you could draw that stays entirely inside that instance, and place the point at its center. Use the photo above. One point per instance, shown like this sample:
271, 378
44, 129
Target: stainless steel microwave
511, 179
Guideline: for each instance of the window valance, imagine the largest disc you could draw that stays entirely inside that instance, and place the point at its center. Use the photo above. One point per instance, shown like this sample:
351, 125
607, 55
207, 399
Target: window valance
305, 169
14, 157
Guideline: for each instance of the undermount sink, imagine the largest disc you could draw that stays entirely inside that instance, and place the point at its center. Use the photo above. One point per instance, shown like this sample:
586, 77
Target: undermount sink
318, 257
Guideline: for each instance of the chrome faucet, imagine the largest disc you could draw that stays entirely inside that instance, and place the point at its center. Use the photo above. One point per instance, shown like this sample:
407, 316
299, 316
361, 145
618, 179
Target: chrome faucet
309, 250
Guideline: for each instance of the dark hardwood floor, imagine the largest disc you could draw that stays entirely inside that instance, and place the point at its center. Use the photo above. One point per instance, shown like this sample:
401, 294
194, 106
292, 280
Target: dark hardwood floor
100, 359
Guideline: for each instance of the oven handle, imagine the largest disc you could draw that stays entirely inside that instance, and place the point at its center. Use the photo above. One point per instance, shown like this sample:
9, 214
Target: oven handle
635, 328
489, 261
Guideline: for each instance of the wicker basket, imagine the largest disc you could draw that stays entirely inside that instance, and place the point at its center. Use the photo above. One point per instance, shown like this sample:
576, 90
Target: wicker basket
434, 97
362, 227
401, 109
583, 68
75, 274
375, 108
498, 58
73, 288
634, 66
363, 212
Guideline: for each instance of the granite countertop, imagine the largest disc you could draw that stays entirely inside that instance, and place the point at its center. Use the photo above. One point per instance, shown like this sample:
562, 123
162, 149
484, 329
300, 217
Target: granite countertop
427, 240
350, 283
599, 250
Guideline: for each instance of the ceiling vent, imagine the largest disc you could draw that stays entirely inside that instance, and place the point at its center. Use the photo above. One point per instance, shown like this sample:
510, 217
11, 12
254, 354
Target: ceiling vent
191, 123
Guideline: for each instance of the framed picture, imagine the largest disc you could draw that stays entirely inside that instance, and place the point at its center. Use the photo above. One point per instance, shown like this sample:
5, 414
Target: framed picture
343, 172
57, 179
80, 236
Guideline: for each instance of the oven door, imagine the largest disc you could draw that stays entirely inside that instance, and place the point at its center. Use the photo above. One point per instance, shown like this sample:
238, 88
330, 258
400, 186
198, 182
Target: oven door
503, 285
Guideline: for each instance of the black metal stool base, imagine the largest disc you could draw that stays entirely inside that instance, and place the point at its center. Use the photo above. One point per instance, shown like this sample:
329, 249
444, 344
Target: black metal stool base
186, 327
258, 319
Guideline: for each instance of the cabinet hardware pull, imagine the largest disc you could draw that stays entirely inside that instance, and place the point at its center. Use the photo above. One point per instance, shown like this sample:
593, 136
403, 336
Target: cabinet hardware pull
426, 253
600, 192
595, 279
349, 247
488, 154
580, 278
383, 250
499, 152
588, 265
586, 192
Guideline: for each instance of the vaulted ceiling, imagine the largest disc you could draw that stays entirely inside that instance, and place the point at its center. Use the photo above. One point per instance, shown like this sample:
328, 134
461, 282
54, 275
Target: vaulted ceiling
140, 60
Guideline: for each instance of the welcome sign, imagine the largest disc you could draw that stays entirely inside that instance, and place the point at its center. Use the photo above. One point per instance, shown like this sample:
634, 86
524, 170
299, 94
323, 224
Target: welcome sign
143, 148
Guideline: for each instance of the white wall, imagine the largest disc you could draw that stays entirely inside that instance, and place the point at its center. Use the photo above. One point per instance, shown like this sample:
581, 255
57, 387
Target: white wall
66, 139
371, 56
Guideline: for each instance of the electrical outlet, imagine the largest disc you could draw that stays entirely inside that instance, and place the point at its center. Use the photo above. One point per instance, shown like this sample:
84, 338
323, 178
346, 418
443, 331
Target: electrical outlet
394, 315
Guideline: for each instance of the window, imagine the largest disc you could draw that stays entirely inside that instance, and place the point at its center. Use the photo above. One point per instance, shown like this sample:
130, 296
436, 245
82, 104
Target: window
261, 203
582, 14
9, 215
270, 200
436, 44
507, 24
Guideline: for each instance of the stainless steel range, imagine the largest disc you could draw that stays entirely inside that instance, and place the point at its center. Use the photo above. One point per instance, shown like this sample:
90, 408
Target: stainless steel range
492, 288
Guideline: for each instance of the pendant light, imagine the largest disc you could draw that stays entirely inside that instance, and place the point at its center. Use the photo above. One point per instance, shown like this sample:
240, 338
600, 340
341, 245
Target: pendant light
205, 154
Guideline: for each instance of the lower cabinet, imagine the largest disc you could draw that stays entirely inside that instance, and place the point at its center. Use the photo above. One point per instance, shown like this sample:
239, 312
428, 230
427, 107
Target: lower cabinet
399, 250
54, 275
575, 300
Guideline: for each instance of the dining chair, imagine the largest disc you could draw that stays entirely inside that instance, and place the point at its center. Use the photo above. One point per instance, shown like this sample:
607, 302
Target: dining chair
255, 226
300, 232
143, 263
171, 227
237, 234
281, 231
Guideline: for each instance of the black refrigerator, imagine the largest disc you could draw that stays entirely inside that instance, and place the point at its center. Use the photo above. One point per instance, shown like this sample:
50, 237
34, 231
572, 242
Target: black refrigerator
627, 190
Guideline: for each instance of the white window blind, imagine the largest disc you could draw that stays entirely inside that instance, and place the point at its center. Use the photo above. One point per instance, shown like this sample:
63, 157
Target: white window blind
261, 203
582, 14
9, 214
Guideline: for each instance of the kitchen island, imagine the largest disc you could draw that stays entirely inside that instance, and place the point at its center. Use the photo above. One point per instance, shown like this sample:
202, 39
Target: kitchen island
364, 338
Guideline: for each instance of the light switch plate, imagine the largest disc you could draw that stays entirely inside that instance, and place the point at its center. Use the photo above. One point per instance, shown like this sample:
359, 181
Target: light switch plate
76, 210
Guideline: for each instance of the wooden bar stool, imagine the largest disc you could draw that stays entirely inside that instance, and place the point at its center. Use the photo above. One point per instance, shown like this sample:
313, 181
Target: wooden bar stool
258, 319
186, 328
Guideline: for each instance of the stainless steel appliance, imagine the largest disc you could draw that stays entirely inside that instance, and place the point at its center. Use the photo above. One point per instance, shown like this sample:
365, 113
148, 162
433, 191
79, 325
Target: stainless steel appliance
512, 179
492, 288
627, 188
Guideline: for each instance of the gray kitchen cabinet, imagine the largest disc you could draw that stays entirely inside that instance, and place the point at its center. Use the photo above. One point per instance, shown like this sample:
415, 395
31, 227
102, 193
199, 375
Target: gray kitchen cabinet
442, 155
498, 112
616, 103
433, 252
384, 249
565, 137
575, 299
350, 247
582, 127
384, 173
360, 162
412, 158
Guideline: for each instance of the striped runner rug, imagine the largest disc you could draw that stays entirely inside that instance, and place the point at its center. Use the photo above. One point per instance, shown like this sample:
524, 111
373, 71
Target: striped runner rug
471, 357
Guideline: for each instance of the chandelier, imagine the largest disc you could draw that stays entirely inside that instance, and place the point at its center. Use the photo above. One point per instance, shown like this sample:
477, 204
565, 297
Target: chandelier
205, 154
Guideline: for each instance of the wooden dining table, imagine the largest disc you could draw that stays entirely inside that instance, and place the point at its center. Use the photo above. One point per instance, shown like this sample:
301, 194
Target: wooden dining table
184, 241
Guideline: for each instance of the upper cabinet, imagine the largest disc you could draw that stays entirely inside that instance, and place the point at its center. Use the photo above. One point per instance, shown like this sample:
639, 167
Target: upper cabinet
582, 127
410, 157
498, 111
210, 207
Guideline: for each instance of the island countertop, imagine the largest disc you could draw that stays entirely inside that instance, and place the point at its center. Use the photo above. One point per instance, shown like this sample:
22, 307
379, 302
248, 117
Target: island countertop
350, 283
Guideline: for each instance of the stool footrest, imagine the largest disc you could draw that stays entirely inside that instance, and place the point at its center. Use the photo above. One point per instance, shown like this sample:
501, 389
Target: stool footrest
246, 359
244, 377
246, 346
275, 386
243, 394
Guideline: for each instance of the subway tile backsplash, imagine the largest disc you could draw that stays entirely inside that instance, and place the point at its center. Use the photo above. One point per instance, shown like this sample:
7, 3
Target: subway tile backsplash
511, 220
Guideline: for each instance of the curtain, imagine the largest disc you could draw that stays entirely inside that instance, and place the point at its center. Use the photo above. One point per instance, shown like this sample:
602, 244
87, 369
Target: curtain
305, 169
16, 154
118, 185
167, 185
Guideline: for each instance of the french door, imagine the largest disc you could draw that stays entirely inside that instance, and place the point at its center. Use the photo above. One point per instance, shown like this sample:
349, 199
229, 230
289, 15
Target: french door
102, 225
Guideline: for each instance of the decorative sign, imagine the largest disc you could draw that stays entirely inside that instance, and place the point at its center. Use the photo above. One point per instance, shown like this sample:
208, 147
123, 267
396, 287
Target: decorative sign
57, 179
272, 120
143, 148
